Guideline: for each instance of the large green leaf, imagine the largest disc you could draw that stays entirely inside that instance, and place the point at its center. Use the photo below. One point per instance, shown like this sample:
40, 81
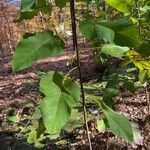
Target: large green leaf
121, 32
128, 36
120, 5
114, 50
125, 31
36, 46
117, 24
61, 95
90, 29
118, 123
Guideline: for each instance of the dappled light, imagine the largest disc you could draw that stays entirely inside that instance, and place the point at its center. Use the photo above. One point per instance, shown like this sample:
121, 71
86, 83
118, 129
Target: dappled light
74, 74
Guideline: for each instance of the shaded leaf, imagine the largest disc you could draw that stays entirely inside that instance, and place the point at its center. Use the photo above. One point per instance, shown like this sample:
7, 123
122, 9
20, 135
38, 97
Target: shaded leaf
144, 49
109, 94
130, 87
97, 30
128, 36
60, 3
31, 8
118, 123
121, 32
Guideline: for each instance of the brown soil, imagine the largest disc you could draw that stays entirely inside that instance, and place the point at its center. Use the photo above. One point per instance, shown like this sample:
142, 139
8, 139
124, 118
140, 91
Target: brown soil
23, 86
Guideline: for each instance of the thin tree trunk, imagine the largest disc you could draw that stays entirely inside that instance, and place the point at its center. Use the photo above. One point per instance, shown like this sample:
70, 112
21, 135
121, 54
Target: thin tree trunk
75, 48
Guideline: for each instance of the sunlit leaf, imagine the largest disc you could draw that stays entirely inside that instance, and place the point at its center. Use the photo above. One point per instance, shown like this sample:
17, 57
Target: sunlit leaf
60, 98
143, 76
101, 125
32, 136
120, 5
114, 50
34, 47
138, 60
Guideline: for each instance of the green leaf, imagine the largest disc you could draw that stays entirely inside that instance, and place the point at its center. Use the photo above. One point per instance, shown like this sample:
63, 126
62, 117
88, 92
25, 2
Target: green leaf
120, 5
109, 94
105, 33
114, 50
130, 86
128, 36
60, 3
112, 81
97, 30
27, 5
84, 28
32, 137
118, 123
37, 114
34, 47
12, 118
121, 32
143, 76
101, 125
126, 33
59, 100
41, 128
76, 121
39, 145
117, 24
72, 88
138, 60
30, 8
144, 49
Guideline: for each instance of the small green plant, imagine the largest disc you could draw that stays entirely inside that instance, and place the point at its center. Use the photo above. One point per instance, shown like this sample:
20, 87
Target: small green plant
119, 38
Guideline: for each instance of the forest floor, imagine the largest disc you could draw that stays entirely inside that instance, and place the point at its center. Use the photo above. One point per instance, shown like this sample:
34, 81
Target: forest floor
17, 91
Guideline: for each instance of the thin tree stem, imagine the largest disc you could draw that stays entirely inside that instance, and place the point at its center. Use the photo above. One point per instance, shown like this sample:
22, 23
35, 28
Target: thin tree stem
75, 48
147, 98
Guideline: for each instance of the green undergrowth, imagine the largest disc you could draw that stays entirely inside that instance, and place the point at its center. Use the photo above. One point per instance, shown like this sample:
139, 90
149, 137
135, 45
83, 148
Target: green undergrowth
16, 127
